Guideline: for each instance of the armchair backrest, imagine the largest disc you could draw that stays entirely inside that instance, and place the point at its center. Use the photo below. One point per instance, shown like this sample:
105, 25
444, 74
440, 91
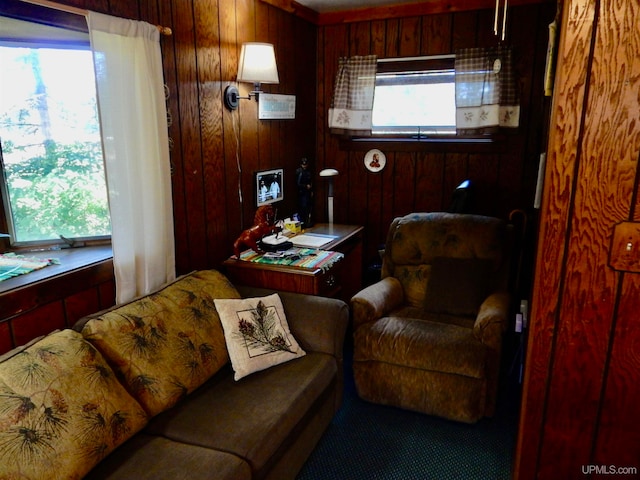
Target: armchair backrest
420, 245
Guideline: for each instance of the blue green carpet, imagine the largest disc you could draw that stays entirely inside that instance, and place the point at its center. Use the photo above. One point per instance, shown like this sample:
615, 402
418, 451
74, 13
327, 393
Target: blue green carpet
367, 441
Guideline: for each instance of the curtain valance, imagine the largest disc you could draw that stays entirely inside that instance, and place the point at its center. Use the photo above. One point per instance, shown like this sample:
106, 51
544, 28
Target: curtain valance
352, 105
486, 90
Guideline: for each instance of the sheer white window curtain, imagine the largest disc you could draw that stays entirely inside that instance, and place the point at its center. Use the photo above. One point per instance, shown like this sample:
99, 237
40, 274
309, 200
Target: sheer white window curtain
486, 90
133, 119
352, 106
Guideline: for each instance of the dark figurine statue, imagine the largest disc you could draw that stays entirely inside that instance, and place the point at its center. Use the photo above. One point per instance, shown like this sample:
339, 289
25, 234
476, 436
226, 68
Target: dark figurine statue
304, 181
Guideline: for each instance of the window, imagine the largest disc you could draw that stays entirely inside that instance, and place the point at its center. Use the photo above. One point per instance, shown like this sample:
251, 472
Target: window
415, 97
53, 183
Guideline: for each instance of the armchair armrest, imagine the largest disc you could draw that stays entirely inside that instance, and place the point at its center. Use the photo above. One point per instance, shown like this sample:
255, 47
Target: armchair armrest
319, 324
376, 300
492, 320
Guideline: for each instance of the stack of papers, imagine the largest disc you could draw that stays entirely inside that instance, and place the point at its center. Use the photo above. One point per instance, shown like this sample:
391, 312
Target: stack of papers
313, 240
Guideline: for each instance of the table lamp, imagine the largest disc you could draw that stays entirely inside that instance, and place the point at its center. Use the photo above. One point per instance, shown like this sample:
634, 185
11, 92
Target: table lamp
329, 173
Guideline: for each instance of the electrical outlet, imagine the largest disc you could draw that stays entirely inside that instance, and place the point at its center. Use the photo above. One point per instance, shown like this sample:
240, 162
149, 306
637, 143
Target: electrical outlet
624, 254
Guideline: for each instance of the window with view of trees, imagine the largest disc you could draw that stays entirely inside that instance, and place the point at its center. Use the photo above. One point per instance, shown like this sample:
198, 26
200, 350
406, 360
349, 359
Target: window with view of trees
53, 180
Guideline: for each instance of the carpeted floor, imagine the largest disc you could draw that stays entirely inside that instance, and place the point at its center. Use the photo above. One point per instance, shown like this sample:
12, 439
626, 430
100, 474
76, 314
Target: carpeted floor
367, 441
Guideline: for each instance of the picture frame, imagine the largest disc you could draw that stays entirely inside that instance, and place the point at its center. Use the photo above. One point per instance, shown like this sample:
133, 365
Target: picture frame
269, 186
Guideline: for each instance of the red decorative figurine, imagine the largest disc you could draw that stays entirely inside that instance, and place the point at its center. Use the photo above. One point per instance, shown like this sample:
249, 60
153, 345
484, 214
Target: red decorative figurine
263, 224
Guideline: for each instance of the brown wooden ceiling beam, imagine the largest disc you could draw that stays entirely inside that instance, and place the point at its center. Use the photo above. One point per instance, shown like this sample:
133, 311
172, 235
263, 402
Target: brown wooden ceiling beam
425, 7
295, 8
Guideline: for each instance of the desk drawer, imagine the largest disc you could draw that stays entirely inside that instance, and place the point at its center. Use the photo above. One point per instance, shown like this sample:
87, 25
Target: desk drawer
328, 284
313, 282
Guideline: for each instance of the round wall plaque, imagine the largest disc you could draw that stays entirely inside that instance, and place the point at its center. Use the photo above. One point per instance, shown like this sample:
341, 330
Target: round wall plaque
375, 160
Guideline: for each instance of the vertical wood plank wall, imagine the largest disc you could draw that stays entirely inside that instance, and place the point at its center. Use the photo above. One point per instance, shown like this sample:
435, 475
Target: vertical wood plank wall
421, 180
581, 393
216, 152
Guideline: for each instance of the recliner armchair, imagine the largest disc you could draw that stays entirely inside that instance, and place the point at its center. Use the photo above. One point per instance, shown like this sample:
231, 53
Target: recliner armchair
428, 335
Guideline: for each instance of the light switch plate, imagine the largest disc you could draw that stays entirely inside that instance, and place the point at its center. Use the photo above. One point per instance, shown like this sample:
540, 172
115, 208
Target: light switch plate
624, 254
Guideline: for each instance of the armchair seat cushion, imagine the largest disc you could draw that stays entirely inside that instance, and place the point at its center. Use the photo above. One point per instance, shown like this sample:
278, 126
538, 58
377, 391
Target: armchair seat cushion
419, 313
452, 349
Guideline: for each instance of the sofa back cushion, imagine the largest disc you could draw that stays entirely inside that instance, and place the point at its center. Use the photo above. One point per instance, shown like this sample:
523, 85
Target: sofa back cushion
165, 345
61, 409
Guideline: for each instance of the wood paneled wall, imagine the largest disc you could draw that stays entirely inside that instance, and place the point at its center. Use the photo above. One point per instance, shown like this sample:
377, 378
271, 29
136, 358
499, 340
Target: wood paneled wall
420, 179
581, 394
215, 152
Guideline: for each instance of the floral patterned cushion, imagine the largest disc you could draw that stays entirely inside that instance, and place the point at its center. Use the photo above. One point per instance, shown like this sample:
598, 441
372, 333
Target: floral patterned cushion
414, 280
168, 343
61, 409
257, 334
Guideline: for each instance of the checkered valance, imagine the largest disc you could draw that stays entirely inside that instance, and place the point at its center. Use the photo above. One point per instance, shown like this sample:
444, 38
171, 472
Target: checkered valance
352, 104
486, 90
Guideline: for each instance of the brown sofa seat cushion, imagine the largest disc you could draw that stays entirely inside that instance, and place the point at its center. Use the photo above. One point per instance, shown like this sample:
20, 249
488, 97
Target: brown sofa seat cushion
403, 341
148, 456
252, 417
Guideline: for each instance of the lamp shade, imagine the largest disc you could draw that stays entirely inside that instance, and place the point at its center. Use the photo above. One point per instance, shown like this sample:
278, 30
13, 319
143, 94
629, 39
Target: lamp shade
258, 63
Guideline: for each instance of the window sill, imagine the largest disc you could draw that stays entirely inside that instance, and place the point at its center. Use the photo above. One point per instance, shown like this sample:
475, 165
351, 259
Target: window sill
71, 259
492, 144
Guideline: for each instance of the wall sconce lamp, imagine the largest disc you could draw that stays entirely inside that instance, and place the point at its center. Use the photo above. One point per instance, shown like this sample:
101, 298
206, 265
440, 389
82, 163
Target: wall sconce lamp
257, 65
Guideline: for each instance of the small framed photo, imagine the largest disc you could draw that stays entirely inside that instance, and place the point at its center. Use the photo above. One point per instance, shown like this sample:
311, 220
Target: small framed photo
269, 186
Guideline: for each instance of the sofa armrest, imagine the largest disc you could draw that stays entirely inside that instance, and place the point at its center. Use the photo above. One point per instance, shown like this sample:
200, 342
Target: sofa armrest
319, 324
376, 300
492, 320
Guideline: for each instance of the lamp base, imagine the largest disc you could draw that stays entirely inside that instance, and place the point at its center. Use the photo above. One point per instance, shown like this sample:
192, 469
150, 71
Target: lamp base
330, 209
231, 97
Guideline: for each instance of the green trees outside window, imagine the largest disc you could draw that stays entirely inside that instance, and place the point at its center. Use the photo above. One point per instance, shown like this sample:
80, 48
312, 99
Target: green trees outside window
54, 183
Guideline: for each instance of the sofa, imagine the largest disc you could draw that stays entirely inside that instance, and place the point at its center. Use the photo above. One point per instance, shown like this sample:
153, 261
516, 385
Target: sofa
155, 388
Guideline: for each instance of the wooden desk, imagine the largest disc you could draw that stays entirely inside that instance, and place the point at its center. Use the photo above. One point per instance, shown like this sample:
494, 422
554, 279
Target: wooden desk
342, 280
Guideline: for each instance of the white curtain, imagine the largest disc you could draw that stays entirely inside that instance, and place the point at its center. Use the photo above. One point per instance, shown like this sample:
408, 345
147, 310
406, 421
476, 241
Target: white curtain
133, 119
486, 90
352, 106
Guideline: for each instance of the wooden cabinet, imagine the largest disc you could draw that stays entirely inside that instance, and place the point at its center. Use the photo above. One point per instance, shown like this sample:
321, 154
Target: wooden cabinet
57, 296
342, 280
